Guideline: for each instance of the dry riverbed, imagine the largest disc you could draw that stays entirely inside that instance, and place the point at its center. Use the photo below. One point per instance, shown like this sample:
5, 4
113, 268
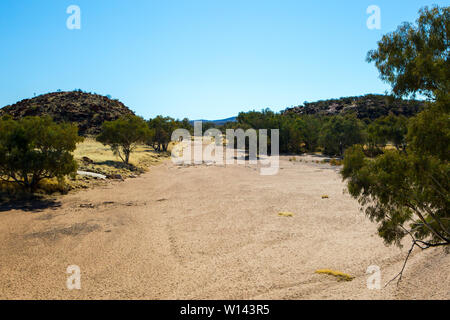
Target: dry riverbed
208, 232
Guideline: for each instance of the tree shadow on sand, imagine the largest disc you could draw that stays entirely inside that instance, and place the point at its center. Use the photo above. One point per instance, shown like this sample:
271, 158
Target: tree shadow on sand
28, 204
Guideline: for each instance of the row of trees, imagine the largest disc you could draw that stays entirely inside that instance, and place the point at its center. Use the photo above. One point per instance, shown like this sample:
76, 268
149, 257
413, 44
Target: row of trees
298, 133
329, 134
37, 148
124, 134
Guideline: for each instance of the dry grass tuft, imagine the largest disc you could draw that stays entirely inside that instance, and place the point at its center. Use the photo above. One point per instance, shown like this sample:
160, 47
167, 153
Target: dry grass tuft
285, 214
340, 275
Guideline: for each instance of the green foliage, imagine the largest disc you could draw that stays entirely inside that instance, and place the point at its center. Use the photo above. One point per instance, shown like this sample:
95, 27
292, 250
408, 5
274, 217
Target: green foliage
185, 124
162, 128
389, 129
336, 162
407, 192
301, 133
304, 133
298, 134
339, 133
415, 58
429, 132
123, 134
404, 193
36, 148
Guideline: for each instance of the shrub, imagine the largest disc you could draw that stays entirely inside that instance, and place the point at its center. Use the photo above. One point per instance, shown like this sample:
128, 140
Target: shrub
336, 162
161, 128
36, 148
123, 135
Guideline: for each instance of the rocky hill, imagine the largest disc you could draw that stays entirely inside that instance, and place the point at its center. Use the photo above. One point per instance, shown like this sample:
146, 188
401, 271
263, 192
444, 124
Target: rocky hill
86, 110
368, 106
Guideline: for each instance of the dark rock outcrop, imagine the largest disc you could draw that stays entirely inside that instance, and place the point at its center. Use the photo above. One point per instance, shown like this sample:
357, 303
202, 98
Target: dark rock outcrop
86, 110
366, 107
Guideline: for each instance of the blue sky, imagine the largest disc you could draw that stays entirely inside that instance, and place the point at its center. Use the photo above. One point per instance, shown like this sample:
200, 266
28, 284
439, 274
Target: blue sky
205, 59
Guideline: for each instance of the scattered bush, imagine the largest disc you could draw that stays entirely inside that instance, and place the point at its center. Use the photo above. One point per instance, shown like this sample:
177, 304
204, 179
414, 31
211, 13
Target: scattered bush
161, 131
336, 162
123, 135
36, 148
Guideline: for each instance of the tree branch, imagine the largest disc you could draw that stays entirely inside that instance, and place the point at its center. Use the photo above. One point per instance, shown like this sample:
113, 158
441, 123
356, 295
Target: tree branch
427, 224
400, 274
423, 245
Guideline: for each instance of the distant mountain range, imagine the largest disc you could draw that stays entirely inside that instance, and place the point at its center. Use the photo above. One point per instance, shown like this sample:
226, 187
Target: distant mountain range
217, 122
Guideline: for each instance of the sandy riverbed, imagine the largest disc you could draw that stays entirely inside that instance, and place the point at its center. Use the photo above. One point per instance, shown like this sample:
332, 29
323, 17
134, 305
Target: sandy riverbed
208, 232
